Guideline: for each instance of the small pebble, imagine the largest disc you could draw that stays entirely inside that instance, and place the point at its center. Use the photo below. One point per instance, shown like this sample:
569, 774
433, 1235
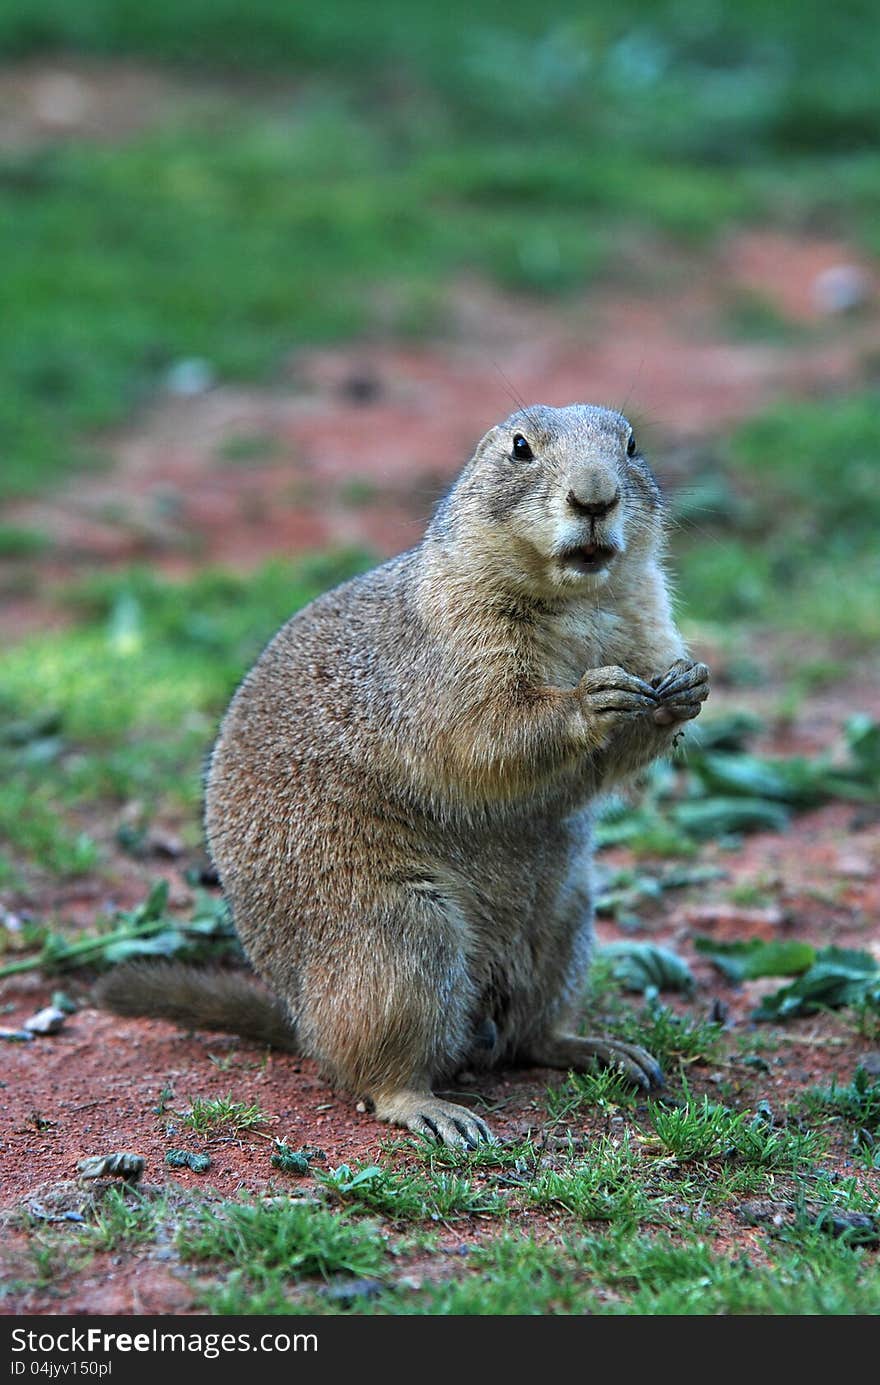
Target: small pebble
355, 1288
47, 1021
841, 288
864, 1228
189, 377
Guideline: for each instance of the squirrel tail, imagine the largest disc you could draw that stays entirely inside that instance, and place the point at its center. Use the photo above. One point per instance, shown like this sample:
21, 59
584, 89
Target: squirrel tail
196, 999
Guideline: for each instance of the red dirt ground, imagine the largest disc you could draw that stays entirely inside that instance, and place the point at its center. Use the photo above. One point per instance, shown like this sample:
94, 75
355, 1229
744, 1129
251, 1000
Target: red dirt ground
95, 1087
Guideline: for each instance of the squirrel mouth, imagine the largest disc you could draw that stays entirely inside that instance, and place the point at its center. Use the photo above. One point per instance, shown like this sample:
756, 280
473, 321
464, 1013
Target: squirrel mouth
588, 557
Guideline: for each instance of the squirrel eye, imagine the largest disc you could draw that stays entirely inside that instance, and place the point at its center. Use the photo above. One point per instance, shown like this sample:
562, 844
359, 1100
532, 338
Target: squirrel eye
632, 446
521, 450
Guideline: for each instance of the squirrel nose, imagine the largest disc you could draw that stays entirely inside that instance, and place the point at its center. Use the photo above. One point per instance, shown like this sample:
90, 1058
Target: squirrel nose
596, 509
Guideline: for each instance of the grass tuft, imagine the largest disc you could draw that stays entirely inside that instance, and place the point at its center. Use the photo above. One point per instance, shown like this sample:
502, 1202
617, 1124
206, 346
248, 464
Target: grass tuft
296, 1239
207, 1116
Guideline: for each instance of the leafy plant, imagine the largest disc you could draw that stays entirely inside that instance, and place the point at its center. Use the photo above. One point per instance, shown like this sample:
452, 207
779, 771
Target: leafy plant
145, 931
646, 967
717, 790
295, 1161
837, 977
744, 961
186, 1159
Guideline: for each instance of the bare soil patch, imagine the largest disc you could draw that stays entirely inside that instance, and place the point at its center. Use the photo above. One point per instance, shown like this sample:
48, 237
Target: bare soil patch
46, 102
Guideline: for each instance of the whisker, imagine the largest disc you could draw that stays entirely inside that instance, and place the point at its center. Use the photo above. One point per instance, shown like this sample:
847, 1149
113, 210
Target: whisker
515, 396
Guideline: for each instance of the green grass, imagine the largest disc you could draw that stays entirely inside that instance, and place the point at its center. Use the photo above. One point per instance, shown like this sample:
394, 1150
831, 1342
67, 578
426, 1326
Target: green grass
675, 1040
370, 155
406, 1196
625, 1223
604, 1089
511, 1275
783, 77
125, 1217
613, 1272
609, 1273
206, 1116
124, 704
855, 1106
311, 208
603, 1187
703, 1130
293, 1238
801, 552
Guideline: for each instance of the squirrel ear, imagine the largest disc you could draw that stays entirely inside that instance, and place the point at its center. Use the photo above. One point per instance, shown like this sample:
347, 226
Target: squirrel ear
485, 442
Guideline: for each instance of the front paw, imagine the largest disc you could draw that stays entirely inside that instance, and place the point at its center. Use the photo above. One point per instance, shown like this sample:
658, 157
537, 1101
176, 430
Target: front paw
611, 695
681, 692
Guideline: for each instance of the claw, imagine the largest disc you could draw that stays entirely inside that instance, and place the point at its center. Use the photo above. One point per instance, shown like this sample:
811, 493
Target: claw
682, 678
569, 1051
427, 1115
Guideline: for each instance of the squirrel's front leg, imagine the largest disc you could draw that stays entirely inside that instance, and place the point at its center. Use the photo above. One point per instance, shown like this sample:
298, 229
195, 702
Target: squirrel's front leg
638, 733
612, 699
621, 710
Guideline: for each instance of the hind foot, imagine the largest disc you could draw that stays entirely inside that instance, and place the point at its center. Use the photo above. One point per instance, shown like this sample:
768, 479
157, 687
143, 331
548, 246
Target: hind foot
426, 1114
585, 1055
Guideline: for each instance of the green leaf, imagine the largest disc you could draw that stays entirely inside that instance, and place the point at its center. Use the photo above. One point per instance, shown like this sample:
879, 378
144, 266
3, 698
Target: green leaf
797, 781
365, 1176
154, 905
168, 943
645, 966
290, 1160
730, 731
185, 1159
145, 931
838, 977
744, 961
718, 817
863, 741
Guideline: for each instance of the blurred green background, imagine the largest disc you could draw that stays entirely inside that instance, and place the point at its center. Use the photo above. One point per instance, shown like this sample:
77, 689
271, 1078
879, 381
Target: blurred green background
306, 176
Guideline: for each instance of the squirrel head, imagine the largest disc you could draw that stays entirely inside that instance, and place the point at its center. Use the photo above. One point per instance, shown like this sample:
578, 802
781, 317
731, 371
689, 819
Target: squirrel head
557, 498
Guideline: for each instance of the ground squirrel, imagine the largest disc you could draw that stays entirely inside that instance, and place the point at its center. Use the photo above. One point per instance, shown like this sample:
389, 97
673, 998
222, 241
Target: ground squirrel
399, 802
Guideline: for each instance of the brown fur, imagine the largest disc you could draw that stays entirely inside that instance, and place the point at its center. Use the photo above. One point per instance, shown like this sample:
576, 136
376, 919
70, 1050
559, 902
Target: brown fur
399, 801
196, 998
